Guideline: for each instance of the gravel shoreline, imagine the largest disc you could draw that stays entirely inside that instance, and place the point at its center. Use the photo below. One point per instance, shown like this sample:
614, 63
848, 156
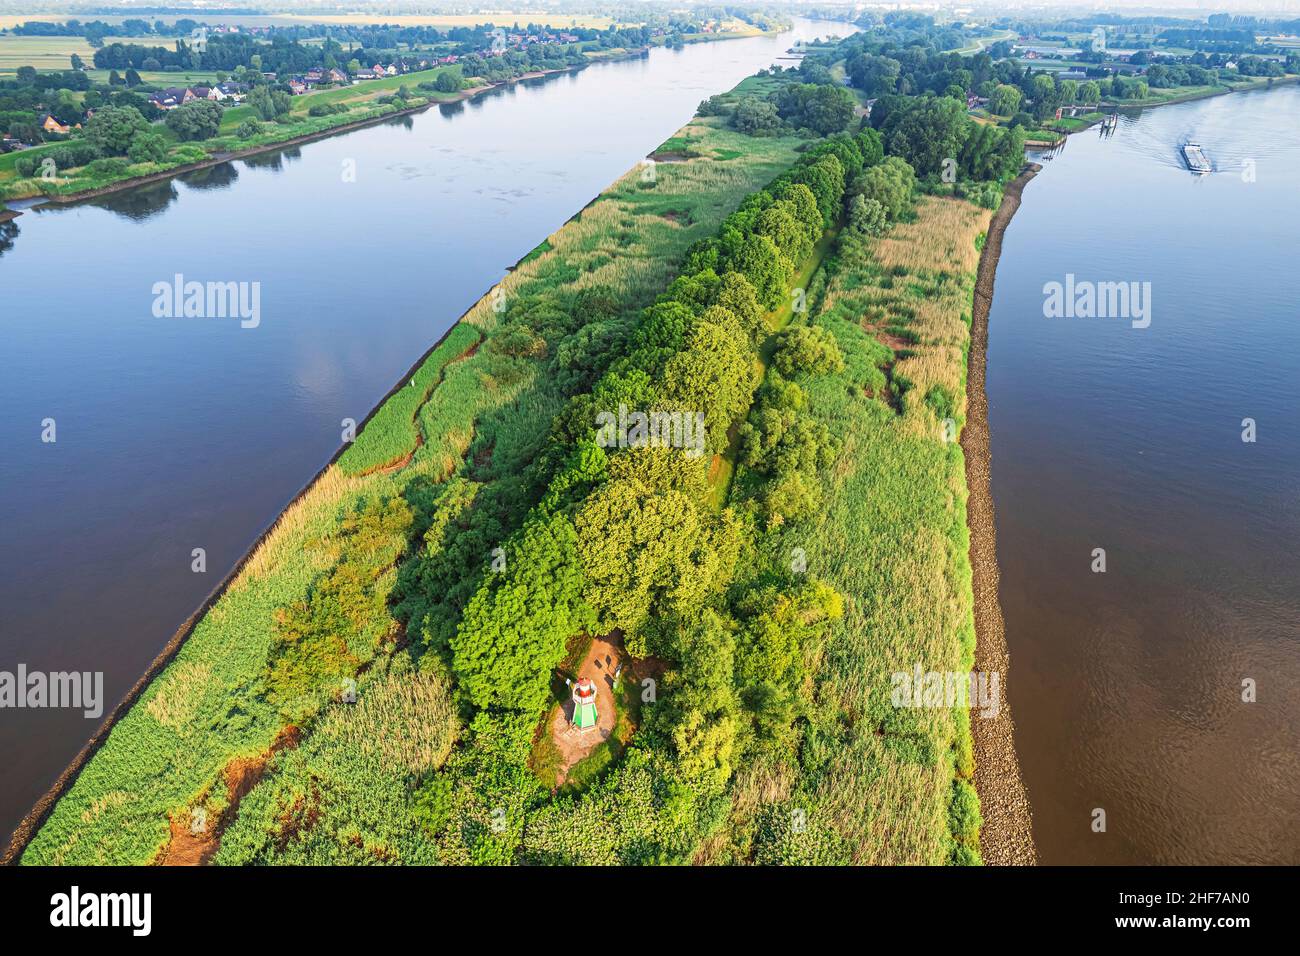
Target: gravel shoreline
1007, 835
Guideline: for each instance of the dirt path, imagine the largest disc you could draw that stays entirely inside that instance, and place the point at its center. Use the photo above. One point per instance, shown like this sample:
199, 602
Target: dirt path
195, 843
1007, 836
600, 664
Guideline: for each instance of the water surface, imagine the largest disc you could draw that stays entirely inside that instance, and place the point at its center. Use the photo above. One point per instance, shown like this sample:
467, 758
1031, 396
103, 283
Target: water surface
176, 434
1127, 685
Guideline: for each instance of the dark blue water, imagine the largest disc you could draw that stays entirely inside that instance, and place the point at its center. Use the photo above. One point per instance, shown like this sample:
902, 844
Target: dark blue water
1127, 686
176, 434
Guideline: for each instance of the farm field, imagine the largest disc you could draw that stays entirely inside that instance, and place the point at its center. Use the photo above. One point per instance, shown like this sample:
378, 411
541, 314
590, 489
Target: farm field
54, 53
289, 19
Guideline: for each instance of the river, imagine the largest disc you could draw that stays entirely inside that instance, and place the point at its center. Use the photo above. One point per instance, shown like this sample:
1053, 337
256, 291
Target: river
178, 434
1127, 685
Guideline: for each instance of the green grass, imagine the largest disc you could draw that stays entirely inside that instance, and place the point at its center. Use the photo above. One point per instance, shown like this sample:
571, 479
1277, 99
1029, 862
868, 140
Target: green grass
391, 434
892, 535
877, 783
163, 78
484, 420
44, 53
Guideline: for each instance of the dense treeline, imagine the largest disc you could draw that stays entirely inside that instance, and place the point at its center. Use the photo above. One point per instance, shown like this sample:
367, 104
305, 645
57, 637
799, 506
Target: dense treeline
454, 599
629, 542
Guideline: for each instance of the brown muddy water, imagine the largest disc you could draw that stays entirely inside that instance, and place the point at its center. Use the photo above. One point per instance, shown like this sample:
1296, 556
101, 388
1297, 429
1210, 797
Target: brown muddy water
1105, 435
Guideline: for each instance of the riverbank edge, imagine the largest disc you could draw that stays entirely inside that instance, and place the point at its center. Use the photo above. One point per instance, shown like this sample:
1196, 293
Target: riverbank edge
1006, 838
342, 128
1122, 107
1193, 97
35, 818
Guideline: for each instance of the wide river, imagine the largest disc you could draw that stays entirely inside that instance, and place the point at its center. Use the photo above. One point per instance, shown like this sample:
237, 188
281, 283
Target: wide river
177, 434
1128, 685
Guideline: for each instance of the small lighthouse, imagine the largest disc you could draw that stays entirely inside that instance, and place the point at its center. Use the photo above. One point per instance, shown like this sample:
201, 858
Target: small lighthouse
584, 704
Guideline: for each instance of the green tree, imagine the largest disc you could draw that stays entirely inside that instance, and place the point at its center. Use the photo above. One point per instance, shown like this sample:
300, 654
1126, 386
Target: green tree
516, 628
269, 103
928, 133
874, 75
992, 153
715, 373
769, 272
194, 121
822, 109
867, 216
1046, 96
113, 128
1005, 100
890, 184
650, 549
755, 117
807, 349
148, 147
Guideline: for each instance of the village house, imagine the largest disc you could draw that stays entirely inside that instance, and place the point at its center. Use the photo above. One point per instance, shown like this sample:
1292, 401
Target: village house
230, 90
50, 125
173, 97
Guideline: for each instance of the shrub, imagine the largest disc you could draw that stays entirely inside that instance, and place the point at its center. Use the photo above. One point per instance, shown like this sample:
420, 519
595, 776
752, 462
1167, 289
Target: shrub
807, 349
327, 109
325, 637
148, 147
108, 166
715, 105
890, 184
964, 820
867, 216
